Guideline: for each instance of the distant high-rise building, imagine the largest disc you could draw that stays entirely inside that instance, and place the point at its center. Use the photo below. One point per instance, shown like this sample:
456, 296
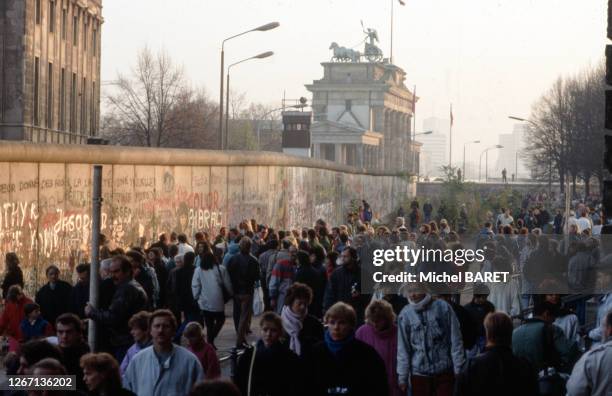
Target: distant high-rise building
50, 70
435, 146
509, 157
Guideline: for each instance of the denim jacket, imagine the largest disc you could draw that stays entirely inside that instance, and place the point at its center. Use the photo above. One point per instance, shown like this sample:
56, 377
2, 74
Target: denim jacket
429, 341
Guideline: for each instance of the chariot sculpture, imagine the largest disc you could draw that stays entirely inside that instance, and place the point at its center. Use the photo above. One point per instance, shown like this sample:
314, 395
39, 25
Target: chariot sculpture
371, 51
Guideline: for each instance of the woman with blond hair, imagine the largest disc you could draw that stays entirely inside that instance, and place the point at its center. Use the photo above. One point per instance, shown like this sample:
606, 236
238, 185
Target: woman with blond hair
342, 362
380, 332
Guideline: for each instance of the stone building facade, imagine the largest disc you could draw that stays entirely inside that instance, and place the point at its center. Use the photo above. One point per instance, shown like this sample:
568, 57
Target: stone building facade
363, 116
50, 70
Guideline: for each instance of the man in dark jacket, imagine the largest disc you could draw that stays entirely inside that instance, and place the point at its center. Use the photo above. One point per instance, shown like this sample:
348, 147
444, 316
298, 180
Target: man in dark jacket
314, 278
142, 276
542, 343
344, 285
497, 371
129, 298
468, 326
70, 340
243, 270
80, 291
162, 243
54, 297
179, 286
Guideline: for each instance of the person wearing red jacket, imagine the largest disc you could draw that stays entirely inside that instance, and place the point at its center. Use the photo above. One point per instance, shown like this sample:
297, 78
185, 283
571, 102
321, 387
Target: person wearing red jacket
13, 313
205, 352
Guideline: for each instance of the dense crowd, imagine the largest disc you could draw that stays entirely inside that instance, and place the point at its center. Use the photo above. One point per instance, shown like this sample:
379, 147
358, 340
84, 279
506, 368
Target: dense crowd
320, 331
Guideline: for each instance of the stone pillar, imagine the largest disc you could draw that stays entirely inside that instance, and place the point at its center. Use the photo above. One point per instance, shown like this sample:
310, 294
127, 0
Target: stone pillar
339, 158
317, 151
359, 155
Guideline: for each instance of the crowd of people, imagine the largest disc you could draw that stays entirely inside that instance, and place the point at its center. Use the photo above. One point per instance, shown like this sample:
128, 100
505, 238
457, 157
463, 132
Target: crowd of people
162, 307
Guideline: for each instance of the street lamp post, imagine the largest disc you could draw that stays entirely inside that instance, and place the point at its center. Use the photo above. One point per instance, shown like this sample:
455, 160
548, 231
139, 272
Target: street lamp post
227, 96
535, 124
263, 28
465, 144
486, 151
414, 135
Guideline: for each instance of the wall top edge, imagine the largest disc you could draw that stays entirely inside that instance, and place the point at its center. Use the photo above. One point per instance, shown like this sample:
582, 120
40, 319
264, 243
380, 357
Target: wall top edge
121, 155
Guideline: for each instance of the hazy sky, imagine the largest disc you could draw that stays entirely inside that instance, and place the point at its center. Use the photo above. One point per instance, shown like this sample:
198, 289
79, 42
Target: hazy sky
490, 58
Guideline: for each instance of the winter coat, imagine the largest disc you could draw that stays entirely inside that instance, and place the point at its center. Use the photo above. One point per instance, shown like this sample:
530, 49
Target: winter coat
605, 306
10, 279
179, 289
206, 288
357, 370
129, 298
432, 332
71, 359
243, 270
310, 335
581, 273
148, 280
591, 375
40, 328
209, 361
497, 372
505, 296
12, 316
276, 371
385, 343
544, 345
316, 279
340, 286
80, 297
469, 328
54, 302
129, 355
478, 312
145, 376
232, 250
283, 275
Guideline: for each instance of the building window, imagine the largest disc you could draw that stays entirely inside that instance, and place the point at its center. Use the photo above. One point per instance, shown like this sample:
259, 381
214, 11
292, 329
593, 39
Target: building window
50, 97
75, 30
73, 93
36, 92
52, 16
62, 123
64, 22
37, 11
84, 107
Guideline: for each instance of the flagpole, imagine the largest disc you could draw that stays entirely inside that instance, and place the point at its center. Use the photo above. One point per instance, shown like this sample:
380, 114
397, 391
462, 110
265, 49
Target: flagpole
450, 139
391, 52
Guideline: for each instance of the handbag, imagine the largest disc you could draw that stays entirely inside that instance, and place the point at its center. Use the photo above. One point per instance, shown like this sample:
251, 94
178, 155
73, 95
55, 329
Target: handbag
226, 294
258, 302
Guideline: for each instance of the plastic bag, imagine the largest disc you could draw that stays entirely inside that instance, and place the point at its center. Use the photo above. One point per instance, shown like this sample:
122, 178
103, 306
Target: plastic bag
258, 301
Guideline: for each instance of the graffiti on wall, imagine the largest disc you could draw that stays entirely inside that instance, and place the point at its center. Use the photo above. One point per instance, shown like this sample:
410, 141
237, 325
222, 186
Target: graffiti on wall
45, 209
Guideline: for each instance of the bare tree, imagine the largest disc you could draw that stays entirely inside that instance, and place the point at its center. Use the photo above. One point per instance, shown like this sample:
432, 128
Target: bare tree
154, 107
566, 135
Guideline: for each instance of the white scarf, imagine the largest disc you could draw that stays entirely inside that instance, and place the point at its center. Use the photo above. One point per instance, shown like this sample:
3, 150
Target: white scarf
420, 306
293, 325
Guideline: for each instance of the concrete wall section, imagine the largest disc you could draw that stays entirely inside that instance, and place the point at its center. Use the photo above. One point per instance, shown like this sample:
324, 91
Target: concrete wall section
45, 204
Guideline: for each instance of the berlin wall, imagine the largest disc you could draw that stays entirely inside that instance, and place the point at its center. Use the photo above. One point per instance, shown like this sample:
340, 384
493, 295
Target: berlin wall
45, 196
